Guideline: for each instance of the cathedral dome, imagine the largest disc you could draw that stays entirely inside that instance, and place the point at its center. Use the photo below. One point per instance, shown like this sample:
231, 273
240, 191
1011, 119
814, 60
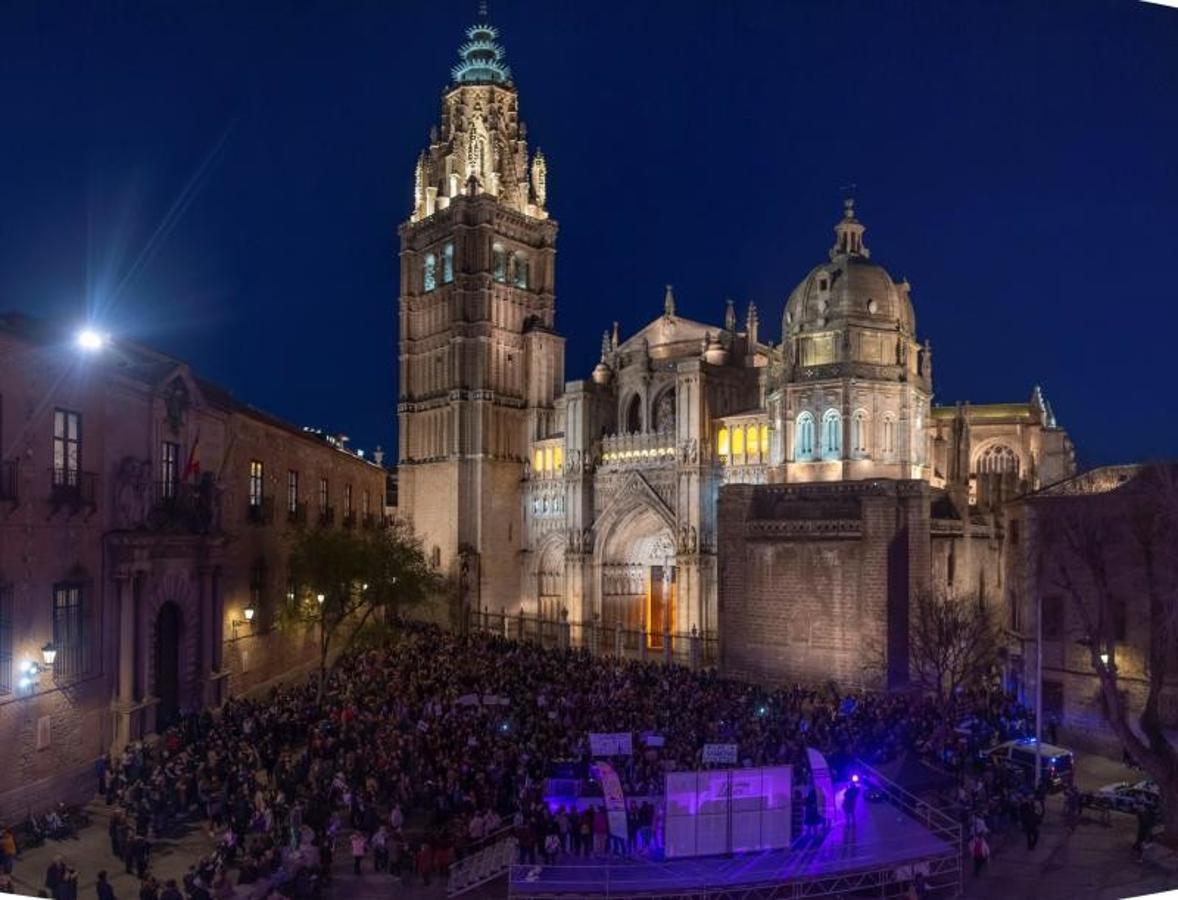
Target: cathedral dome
849, 288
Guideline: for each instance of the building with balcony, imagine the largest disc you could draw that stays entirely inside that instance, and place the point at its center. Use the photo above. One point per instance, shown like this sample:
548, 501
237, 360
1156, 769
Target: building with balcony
145, 523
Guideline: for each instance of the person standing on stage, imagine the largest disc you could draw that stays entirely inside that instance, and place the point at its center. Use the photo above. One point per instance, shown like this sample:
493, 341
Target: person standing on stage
850, 798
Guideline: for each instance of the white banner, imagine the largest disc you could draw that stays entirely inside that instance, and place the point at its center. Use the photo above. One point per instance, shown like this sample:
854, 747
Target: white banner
615, 800
610, 744
823, 782
720, 753
467, 700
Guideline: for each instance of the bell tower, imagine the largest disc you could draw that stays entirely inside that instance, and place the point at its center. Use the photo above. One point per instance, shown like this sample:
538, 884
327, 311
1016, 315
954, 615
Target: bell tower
481, 364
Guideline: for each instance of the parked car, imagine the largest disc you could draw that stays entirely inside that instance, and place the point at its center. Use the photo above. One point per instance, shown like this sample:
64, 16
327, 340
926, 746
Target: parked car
1057, 765
1124, 796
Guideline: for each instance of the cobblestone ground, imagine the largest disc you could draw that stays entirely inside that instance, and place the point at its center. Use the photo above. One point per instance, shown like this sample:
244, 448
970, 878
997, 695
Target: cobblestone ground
170, 858
1094, 862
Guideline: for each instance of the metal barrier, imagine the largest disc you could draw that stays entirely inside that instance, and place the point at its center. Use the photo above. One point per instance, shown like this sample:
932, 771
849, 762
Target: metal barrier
691, 649
487, 864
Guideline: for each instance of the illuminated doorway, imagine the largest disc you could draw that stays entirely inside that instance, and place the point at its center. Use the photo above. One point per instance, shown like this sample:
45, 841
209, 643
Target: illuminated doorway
661, 593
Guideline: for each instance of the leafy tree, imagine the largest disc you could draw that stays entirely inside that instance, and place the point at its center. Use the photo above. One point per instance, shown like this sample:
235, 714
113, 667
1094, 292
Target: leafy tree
953, 642
351, 586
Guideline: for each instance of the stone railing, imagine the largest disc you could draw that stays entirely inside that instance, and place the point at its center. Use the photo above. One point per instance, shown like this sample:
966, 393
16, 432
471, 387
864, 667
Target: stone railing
626, 450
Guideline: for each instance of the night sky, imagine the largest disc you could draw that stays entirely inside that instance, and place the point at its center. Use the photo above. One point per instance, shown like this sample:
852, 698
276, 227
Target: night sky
224, 180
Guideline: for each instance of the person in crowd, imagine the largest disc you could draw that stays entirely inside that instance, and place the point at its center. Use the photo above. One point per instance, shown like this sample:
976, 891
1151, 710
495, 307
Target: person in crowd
102, 887
979, 850
7, 850
54, 875
359, 849
1030, 819
1146, 820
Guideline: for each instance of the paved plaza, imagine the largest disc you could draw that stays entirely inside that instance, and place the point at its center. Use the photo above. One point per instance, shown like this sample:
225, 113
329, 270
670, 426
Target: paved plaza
1095, 861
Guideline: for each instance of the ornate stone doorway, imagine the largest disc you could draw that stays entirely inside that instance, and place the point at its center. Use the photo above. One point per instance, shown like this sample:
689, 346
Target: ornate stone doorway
168, 627
638, 591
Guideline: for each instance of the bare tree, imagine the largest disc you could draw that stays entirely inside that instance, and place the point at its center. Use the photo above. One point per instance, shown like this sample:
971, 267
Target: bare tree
953, 642
350, 587
1100, 549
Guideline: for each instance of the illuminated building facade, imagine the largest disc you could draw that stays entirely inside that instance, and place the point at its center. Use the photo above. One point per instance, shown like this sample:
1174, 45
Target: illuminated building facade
146, 521
599, 501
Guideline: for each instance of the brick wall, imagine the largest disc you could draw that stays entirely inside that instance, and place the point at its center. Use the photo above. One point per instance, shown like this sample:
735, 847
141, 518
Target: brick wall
811, 577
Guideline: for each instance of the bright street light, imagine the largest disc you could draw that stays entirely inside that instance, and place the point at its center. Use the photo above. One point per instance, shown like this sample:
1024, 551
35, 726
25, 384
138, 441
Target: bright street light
91, 340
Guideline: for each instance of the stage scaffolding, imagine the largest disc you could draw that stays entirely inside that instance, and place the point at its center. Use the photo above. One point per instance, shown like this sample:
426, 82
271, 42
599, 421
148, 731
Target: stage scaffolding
888, 876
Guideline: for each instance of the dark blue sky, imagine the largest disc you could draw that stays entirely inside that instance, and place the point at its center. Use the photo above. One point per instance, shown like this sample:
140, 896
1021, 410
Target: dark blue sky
224, 180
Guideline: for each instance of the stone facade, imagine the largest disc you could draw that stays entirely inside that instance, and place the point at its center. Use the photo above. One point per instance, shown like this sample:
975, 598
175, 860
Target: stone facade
1099, 516
480, 362
635, 499
135, 528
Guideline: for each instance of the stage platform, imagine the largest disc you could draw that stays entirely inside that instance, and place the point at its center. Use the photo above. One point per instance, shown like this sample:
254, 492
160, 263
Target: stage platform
879, 852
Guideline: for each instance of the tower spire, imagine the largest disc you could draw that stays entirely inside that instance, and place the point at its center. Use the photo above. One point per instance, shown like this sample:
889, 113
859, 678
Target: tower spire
482, 55
669, 303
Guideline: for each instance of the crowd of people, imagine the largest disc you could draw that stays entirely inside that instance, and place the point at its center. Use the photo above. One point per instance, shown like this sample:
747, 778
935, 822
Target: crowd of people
422, 750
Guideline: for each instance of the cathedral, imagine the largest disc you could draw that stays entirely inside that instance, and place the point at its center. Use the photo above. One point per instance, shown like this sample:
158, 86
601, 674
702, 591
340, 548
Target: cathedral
780, 501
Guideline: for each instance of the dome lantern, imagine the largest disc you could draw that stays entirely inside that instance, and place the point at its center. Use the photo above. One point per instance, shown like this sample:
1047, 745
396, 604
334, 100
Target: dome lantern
849, 234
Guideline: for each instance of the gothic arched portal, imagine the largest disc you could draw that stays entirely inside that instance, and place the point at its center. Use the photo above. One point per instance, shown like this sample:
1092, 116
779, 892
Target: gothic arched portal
638, 590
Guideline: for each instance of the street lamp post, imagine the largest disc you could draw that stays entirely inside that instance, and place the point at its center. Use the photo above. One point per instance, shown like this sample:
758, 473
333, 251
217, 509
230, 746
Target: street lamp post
1038, 685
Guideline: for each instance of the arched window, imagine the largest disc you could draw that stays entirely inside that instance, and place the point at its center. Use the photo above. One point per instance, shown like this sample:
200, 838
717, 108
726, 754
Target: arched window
634, 415
832, 434
752, 443
558, 459
859, 433
429, 272
521, 270
722, 441
547, 459
887, 438
765, 442
538, 461
447, 263
804, 437
999, 459
738, 442
499, 262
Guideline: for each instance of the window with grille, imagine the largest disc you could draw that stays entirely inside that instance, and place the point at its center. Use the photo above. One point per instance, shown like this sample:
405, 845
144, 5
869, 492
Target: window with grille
69, 631
347, 500
169, 469
292, 491
255, 482
323, 495
6, 614
364, 503
67, 447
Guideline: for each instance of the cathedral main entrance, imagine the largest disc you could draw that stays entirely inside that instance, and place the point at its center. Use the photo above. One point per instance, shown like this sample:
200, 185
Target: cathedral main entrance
638, 580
